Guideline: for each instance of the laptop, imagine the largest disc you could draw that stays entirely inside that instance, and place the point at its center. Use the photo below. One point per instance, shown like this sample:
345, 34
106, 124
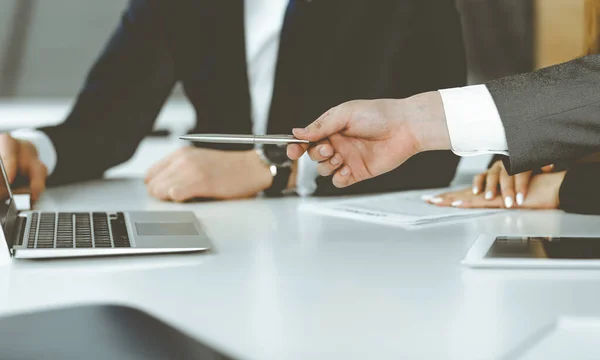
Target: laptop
37, 235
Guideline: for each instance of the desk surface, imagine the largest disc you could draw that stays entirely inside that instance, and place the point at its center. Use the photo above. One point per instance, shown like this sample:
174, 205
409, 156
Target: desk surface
283, 284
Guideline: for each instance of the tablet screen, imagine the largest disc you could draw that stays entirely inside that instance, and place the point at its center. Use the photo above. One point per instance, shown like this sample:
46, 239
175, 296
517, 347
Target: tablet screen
545, 247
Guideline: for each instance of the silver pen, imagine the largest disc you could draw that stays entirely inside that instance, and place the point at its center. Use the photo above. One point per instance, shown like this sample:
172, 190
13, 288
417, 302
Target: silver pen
244, 139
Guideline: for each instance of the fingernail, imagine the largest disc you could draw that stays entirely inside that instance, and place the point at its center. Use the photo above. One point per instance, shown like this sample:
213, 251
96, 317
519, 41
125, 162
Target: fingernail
300, 130
436, 200
335, 160
489, 195
345, 171
520, 199
475, 190
508, 202
325, 151
426, 197
457, 203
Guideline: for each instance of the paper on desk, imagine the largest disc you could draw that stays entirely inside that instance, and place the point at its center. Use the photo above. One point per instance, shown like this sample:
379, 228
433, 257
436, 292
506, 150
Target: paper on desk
22, 201
406, 209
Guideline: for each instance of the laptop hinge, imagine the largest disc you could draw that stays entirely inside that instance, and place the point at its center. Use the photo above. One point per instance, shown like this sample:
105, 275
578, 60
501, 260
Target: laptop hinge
19, 233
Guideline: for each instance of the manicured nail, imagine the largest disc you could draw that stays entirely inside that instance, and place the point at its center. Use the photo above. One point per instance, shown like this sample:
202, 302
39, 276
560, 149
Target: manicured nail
520, 199
508, 202
457, 203
345, 171
300, 130
426, 197
436, 200
489, 195
335, 161
325, 151
475, 190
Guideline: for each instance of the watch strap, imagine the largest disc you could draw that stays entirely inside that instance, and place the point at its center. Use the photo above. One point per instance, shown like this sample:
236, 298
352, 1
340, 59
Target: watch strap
280, 181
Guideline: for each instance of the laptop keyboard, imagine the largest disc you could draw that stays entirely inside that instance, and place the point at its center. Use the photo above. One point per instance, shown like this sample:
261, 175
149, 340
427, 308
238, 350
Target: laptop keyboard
51, 230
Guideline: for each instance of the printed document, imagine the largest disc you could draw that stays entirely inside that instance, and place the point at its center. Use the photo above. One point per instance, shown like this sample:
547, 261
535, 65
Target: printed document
405, 209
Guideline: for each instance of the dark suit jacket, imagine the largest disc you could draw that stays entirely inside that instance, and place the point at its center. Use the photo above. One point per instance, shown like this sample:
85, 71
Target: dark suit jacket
551, 115
331, 51
580, 190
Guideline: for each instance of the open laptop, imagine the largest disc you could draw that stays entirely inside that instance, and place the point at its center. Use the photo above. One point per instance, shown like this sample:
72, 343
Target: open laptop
33, 234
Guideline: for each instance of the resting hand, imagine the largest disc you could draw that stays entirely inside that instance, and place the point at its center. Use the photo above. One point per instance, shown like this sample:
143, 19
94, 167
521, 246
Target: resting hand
362, 139
542, 193
21, 158
201, 173
513, 189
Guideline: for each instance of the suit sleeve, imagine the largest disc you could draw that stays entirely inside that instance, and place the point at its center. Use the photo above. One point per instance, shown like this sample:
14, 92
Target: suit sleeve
433, 33
550, 115
120, 99
579, 191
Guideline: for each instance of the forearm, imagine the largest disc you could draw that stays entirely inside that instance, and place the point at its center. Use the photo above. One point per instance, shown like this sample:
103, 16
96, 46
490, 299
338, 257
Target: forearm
425, 114
464, 120
82, 154
550, 115
122, 95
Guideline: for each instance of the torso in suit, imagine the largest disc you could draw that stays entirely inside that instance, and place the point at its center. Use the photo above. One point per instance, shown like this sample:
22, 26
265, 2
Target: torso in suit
330, 51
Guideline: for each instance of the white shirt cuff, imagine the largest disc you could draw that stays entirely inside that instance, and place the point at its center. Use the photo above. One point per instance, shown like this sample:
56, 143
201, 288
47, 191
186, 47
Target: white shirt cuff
306, 183
474, 124
42, 143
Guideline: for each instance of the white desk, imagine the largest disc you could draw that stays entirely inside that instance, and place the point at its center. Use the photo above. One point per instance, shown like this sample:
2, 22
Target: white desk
287, 285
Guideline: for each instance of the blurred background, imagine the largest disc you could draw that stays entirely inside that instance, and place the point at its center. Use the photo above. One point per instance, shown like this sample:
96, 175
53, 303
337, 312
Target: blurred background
46, 48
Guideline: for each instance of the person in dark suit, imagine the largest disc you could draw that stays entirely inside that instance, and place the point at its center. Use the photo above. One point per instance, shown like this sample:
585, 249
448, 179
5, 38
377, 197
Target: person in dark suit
569, 186
536, 119
246, 67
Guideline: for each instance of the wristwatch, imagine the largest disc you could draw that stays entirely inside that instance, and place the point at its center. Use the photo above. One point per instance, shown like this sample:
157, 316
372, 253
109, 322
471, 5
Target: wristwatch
279, 164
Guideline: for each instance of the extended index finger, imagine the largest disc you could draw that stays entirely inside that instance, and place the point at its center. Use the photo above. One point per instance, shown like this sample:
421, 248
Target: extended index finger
331, 122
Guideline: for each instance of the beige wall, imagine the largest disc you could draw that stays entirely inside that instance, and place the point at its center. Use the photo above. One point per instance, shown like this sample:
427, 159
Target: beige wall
560, 31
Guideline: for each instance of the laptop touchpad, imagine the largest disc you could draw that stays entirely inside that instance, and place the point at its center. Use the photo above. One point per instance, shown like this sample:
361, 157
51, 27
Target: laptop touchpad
165, 228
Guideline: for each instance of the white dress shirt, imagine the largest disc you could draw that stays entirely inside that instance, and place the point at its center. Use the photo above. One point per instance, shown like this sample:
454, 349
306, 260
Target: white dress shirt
264, 20
473, 121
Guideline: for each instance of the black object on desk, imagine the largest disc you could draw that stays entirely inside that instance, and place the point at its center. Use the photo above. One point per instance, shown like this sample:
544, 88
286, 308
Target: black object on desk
97, 332
160, 133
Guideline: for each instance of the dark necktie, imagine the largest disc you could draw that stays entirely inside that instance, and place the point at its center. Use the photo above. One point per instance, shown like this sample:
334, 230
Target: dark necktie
289, 83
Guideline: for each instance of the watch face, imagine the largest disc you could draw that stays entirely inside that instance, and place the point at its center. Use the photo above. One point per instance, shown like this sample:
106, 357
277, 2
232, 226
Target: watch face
276, 154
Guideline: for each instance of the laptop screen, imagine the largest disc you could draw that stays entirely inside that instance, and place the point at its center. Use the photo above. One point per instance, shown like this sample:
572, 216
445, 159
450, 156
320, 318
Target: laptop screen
5, 199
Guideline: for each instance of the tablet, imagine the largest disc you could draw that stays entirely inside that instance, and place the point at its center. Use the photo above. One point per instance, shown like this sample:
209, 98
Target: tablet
534, 252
